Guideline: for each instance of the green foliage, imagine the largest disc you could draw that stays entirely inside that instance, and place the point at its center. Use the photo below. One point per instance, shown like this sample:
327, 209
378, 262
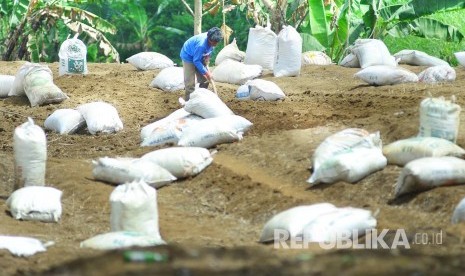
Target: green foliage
434, 47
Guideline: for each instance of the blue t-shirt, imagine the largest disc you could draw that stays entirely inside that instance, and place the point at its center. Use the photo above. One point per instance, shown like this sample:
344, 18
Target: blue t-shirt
195, 49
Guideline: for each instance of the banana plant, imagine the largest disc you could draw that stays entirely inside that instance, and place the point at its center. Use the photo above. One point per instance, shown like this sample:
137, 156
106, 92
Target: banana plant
33, 26
335, 24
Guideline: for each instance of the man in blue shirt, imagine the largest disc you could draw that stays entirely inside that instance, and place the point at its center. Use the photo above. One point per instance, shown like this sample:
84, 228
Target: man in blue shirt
195, 55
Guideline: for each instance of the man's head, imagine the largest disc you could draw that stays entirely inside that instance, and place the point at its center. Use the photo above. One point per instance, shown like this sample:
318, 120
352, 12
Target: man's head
214, 35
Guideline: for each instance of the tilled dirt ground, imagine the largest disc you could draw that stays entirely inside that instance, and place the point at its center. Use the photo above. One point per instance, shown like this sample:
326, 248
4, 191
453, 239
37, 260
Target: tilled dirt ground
212, 222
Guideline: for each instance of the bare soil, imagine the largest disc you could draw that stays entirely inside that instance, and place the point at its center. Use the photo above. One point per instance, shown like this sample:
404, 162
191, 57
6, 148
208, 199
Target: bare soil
212, 221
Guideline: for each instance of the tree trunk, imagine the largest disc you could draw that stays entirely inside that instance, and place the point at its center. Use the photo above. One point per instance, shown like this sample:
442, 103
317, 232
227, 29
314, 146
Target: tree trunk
13, 40
197, 17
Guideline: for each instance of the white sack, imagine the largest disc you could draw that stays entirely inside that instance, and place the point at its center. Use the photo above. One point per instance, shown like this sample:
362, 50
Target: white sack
243, 92
65, 121
169, 79
341, 141
419, 58
460, 56
264, 90
235, 72
134, 209
40, 89
439, 118
430, 172
385, 75
124, 170
230, 51
121, 239
17, 88
6, 82
289, 53
73, 57
181, 161
100, 117
403, 151
349, 166
206, 104
210, 132
262, 45
30, 152
150, 61
21, 246
338, 224
315, 58
177, 114
170, 132
372, 52
439, 73
35, 203
458, 215
350, 61
293, 220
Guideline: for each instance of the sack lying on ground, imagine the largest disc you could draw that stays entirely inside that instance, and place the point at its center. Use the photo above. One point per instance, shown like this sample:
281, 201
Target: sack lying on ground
415, 57
170, 132
350, 61
385, 75
289, 53
100, 117
30, 153
460, 56
206, 104
243, 92
430, 172
261, 47
350, 166
458, 215
181, 161
342, 141
315, 58
340, 223
403, 151
439, 73
230, 51
150, 61
292, 221
439, 118
121, 239
177, 114
35, 203
40, 89
235, 72
372, 52
73, 57
6, 82
65, 121
124, 170
169, 79
264, 90
21, 246
212, 131
134, 208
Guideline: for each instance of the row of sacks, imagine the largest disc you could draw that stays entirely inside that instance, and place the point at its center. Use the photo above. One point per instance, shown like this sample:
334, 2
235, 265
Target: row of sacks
35, 81
317, 223
352, 154
203, 121
389, 75
98, 117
